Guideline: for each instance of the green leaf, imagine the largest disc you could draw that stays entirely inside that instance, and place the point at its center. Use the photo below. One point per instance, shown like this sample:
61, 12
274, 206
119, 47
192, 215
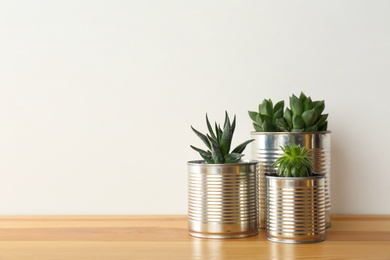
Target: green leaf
205, 155
319, 107
233, 157
257, 128
202, 137
227, 136
278, 114
281, 123
313, 128
298, 122
324, 127
240, 148
279, 105
253, 115
266, 108
288, 116
321, 121
302, 97
210, 128
309, 117
216, 152
268, 126
296, 105
308, 104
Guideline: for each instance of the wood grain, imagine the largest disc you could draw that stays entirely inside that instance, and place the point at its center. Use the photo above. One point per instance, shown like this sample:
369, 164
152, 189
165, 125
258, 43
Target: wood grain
166, 237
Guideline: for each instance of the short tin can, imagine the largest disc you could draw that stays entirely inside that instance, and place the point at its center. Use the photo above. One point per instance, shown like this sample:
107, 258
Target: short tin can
295, 209
222, 199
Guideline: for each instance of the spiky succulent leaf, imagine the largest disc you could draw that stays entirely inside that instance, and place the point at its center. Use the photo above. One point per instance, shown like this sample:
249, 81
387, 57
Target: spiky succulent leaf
202, 137
211, 132
233, 157
219, 143
206, 155
241, 147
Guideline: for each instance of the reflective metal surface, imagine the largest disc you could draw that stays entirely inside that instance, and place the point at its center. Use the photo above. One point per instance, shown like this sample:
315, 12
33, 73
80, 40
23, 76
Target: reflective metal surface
295, 209
222, 199
266, 149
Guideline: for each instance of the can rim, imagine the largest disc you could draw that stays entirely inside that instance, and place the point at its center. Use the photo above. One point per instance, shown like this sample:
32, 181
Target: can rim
240, 163
318, 176
290, 133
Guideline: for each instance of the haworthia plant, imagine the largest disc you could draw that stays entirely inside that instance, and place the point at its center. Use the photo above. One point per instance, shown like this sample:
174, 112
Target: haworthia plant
218, 142
294, 162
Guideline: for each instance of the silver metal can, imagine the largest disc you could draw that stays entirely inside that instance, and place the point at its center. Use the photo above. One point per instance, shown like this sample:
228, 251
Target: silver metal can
295, 208
266, 149
222, 199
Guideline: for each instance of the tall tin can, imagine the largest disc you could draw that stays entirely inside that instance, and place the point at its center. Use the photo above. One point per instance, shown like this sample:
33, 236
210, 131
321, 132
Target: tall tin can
266, 149
295, 209
222, 199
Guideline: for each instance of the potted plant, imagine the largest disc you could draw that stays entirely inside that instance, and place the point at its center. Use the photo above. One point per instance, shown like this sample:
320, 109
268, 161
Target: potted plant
295, 204
222, 188
302, 123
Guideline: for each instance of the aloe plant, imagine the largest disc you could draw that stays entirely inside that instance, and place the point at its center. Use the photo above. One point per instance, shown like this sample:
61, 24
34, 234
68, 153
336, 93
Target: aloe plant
219, 142
294, 162
266, 119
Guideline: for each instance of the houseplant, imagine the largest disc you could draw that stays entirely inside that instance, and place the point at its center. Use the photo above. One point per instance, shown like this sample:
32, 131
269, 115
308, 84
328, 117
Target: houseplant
295, 204
222, 188
302, 123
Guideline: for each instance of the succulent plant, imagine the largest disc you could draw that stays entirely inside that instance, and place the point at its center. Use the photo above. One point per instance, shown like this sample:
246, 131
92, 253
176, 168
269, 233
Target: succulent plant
266, 119
219, 143
294, 162
304, 115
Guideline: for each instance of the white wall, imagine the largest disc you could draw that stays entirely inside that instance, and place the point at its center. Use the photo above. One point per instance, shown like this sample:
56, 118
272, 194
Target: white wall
97, 97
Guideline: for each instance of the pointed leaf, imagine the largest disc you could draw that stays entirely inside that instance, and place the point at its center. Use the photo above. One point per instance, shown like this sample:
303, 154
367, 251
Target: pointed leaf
266, 108
210, 128
319, 107
202, 137
253, 115
233, 157
296, 105
309, 117
288, 116
298, 122
240, 148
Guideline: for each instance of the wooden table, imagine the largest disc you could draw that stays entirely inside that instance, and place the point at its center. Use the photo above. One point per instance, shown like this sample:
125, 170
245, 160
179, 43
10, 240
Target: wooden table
166, 237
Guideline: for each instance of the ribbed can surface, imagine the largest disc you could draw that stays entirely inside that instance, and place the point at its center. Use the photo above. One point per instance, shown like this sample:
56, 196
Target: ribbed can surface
295, 209
266, 149
222, 199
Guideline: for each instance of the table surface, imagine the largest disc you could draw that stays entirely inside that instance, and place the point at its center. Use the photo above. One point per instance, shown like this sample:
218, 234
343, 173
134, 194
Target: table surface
166, 237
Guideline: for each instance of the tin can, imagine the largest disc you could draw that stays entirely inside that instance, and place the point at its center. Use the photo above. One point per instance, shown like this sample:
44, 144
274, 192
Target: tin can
295, 209
266, 149
222, 199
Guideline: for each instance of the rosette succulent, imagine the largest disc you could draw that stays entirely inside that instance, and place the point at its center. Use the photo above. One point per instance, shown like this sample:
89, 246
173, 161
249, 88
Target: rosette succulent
219, 142
265, 120
303, 115
294, 162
